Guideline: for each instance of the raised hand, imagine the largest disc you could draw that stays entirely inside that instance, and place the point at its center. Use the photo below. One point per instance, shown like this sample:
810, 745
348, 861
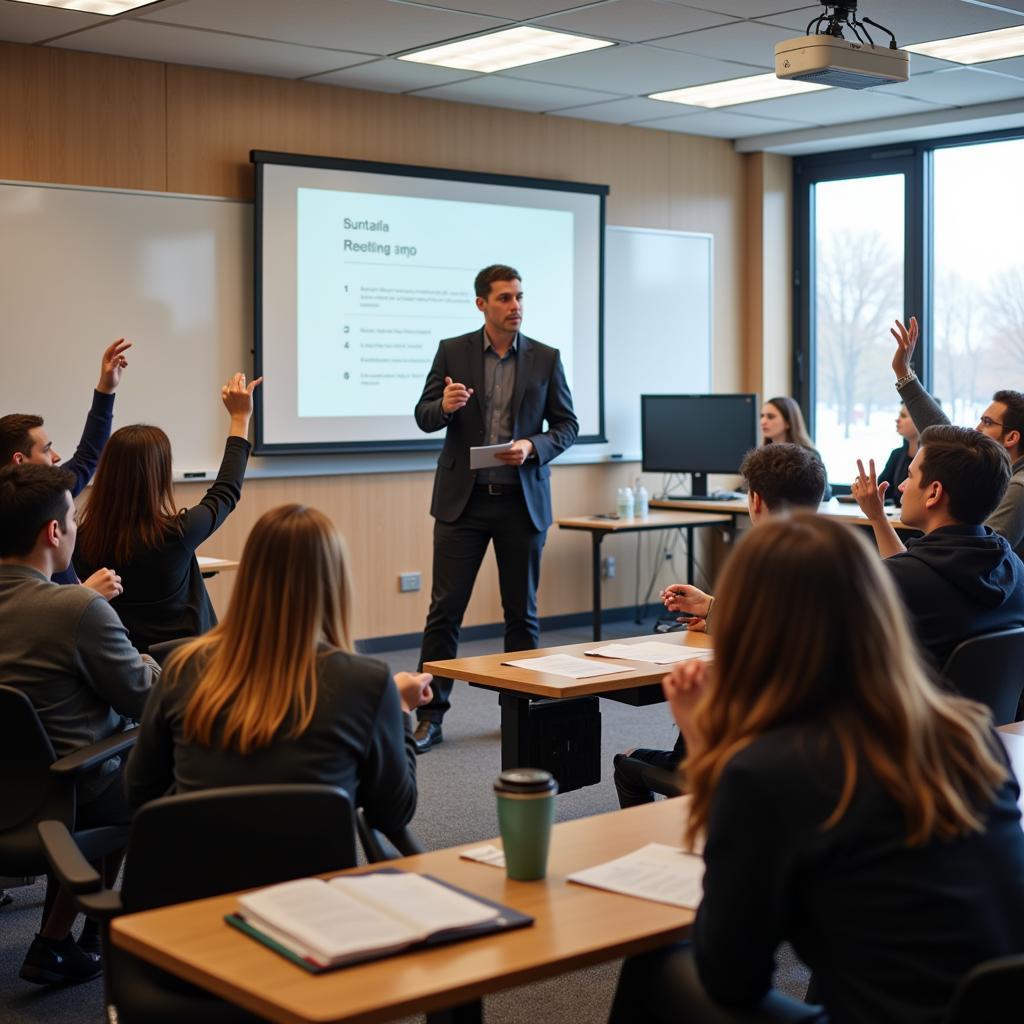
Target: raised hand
237, 398
906, 342
869, 493
455, 396
112, 366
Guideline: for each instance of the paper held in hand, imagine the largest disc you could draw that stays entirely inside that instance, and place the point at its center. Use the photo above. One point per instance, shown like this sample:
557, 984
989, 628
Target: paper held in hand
652, 652
664, 874
359, 917
483, 456
566, 665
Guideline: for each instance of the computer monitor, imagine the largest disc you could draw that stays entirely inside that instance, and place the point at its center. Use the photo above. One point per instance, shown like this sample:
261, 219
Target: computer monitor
697, 434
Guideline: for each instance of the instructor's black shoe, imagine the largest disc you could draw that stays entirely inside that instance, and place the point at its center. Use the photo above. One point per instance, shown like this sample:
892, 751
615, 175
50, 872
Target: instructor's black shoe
59, 962
428, 734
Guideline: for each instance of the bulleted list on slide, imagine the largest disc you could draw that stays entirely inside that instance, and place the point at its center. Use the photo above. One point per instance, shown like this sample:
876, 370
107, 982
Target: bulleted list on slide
382, 278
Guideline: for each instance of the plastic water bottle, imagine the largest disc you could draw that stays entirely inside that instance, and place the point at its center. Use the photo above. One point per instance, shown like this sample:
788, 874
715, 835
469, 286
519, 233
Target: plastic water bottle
625, 504
641, 501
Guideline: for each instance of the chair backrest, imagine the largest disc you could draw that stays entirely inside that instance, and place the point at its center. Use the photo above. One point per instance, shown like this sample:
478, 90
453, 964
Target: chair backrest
990, 669
194, 845
28, 790
991, 993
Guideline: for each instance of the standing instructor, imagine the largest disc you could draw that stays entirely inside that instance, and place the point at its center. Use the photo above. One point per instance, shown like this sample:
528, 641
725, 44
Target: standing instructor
489, 387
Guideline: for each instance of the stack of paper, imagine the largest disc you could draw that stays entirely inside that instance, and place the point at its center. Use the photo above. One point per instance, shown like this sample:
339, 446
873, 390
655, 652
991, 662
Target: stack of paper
566, 665
664, 874
652, 652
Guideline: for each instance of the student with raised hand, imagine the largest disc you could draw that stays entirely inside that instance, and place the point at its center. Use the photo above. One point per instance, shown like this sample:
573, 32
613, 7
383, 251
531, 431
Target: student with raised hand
782, 422
961, 579
848, 804
1003, 421
896, 466
67, 651
23, 439
130, 522
275, 693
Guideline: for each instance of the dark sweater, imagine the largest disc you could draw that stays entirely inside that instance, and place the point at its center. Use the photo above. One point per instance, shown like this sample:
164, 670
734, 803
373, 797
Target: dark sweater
895, 472
82, 464
958, 582
887, 929
164, 595
359, 739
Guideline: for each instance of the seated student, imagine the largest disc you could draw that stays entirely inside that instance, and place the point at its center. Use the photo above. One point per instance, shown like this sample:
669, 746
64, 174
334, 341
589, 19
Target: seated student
65, 648
780, 478
275, 693
23, 440
782, 422
1003, 421
849, 805
895, 471
130, 522
961, 579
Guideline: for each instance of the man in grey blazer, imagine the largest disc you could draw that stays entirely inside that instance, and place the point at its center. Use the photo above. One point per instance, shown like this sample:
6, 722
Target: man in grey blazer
492, 386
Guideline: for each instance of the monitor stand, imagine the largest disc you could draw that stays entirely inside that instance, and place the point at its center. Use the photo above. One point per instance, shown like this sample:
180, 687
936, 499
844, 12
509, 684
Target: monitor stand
699, 491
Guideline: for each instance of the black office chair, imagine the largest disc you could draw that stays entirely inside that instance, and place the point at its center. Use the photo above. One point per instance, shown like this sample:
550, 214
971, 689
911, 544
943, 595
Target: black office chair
36, 786
990, 669
196, 845
379, 846
991, 993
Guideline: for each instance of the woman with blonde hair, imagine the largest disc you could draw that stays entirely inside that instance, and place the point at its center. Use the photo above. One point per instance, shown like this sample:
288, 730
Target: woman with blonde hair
275, 694
848, 805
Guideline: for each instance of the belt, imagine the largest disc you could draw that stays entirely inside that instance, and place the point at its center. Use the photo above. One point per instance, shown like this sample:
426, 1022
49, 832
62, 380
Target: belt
498, 489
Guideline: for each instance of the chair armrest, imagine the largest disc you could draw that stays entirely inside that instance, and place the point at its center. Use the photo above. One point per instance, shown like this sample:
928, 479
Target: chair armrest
66, 859
372, 841
96, 753
406, 843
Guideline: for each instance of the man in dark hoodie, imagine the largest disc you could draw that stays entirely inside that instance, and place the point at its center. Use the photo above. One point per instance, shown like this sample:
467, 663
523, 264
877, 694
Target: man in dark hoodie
961, 578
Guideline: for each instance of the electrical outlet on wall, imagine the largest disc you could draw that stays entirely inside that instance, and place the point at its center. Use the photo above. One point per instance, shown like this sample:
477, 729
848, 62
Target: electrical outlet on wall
608, 567
408, 582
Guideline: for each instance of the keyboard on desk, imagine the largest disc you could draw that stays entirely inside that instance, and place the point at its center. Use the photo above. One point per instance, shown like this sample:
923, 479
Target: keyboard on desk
714, 496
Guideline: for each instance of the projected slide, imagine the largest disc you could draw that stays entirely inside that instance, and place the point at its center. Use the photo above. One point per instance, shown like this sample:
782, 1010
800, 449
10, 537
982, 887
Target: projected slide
380, 279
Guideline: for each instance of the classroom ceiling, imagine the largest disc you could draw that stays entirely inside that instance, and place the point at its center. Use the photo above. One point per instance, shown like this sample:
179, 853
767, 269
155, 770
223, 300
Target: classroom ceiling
660, 45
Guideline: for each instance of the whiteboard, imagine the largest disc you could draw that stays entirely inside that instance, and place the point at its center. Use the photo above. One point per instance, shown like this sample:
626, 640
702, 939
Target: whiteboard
80, 267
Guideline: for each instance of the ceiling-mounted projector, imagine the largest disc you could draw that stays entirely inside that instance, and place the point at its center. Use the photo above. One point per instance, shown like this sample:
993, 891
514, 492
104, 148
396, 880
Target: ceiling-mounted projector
825, 57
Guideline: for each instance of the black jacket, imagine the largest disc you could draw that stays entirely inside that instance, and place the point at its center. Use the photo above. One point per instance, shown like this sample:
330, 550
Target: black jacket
958, 582
541, 393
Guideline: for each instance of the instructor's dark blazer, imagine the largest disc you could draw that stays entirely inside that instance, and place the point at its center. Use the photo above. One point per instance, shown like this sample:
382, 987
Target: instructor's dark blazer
541, 393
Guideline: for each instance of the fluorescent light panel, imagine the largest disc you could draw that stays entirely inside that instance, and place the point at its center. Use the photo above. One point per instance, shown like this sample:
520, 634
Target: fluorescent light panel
736, 90
974, 49
509, 48
107, 7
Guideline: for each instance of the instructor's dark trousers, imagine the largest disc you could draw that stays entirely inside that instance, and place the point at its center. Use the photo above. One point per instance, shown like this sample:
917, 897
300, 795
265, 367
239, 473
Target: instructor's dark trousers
495, 513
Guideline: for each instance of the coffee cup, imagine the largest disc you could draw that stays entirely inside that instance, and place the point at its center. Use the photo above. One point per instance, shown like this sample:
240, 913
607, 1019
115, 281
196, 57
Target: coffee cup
526, 812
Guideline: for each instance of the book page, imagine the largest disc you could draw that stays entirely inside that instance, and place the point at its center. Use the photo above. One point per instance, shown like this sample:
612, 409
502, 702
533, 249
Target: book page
566, 665
424, 906
652, 652
655, 872
326, 923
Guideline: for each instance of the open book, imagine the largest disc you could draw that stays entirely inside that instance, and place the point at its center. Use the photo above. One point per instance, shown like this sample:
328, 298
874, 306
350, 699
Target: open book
323, 924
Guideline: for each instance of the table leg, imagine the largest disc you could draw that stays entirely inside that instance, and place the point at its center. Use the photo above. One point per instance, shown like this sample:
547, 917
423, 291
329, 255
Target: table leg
595, 571
515, 730
467, 1013
689, 556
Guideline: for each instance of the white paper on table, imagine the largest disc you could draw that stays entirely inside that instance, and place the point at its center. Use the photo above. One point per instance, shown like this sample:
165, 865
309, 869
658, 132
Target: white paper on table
652, 652
655, 872
205, 560
483, 456
566, 665
487, 854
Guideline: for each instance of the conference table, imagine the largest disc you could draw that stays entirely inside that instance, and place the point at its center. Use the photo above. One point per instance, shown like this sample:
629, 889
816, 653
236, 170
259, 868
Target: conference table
600, 526
524, 738
574, 926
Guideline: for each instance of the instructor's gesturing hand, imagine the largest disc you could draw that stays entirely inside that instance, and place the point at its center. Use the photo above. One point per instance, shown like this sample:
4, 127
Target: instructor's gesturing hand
455, 396
517, 454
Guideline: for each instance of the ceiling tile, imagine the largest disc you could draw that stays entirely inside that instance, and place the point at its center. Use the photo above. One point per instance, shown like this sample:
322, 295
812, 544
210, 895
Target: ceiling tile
492, 91
746, 41
752, 8
390, 75
208, 49
960, 87
633, 70
1010, 66
722, 124
29, 23
616, 111
834, 106
634, 20
521, 10
366, 26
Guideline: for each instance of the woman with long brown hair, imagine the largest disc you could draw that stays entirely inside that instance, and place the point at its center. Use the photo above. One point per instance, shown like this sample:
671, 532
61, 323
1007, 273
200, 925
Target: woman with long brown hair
130, 524
275, 694
782, 422
848, 804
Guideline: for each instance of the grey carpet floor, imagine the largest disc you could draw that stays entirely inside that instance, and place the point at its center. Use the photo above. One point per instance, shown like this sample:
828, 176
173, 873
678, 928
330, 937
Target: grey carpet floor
456, 806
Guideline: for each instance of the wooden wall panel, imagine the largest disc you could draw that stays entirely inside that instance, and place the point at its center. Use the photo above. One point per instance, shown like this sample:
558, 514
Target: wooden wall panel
81, 118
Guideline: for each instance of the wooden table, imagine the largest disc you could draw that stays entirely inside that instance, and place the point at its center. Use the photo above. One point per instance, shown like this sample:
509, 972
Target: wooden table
575, 927
841, 511
600, 527
638, 684
210, 566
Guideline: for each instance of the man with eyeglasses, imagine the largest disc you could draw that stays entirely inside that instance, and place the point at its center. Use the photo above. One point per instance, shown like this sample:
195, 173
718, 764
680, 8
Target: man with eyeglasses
1003, 421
